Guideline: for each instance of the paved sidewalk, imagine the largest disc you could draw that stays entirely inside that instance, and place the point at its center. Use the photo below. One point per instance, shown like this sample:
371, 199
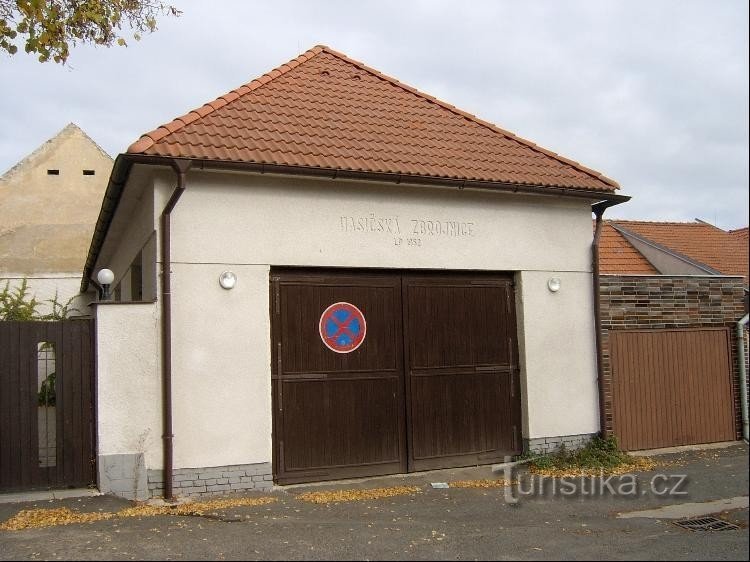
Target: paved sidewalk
46, 495
433, 524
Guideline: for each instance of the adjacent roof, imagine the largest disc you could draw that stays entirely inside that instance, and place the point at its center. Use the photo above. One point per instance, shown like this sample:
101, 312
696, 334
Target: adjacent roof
618, 256
701, 242
324, 110
740, 233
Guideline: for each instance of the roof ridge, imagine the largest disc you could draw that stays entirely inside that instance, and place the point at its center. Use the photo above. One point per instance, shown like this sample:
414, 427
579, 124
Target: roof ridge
474, 118
85, 134
147, 140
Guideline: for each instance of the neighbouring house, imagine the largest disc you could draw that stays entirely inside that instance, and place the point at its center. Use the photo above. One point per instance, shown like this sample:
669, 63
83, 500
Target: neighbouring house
740, 233
326, 273
671, 296
691, 248
49, 203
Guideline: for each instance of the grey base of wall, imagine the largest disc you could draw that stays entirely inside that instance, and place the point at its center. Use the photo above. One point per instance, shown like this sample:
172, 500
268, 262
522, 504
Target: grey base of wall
544, 445
126, 476
213, 481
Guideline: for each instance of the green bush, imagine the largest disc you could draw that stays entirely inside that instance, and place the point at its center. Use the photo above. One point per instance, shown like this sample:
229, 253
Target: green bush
47, 395
18, 305
598, 454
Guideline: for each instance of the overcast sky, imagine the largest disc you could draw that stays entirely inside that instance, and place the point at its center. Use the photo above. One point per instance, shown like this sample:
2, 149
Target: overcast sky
651, 93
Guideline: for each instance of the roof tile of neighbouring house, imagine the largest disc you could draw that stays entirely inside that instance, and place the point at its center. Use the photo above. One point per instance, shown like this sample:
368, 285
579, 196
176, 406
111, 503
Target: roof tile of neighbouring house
618, 256
699, 241
740, 233
324, 110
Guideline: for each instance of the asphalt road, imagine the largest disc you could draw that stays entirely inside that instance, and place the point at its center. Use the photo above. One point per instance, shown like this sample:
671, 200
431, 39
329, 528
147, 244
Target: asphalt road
433, 524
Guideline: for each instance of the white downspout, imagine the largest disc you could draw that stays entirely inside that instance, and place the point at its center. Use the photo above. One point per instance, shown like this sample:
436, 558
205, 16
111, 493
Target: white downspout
743, 374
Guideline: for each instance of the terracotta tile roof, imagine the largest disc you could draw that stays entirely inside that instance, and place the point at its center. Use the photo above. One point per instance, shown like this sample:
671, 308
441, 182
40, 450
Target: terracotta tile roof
618, 256
739, 233
324, 110
698, 241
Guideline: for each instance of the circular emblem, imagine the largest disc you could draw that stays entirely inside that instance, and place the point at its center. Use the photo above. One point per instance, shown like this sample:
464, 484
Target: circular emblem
342, 327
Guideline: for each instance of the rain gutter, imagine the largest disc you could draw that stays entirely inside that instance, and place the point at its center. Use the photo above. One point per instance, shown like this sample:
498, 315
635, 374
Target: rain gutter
743, 374
598, 209
180, 167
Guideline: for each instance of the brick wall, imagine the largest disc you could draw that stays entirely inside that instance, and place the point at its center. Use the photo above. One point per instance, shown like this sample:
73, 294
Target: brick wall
212, 481
630, 302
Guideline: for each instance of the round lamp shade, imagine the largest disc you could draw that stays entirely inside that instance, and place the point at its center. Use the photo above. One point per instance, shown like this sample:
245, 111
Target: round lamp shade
105, 277
227, 280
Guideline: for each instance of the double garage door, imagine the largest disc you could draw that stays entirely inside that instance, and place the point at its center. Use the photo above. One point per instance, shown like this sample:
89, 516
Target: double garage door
389, 373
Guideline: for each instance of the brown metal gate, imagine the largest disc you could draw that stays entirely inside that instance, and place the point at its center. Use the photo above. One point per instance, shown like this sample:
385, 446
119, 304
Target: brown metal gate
671, 387
340, 415
46, 404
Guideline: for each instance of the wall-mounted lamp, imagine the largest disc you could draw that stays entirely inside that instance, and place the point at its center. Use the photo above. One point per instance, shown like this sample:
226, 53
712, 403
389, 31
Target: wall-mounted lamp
227, 280
553, 284
105, 277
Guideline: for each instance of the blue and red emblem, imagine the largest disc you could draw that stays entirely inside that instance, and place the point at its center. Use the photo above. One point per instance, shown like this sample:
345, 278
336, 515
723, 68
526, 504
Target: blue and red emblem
342, 327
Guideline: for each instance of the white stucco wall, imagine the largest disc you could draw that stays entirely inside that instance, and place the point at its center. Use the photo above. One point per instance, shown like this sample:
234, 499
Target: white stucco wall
249, 222
129, 382
221, 366
558, 354
243, 219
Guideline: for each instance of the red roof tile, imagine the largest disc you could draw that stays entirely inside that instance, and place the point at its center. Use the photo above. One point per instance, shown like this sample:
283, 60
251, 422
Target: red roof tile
325, 110
701, 242
618, 256
739, 233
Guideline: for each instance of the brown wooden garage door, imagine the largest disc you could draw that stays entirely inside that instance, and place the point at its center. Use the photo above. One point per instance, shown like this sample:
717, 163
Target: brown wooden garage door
671, 387
462, 384
433, 384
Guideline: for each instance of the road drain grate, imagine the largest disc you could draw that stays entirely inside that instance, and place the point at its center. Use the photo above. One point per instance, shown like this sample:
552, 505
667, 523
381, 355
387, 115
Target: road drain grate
706, 524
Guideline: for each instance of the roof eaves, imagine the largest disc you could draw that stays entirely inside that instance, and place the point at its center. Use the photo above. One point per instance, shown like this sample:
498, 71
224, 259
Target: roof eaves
117, 179
604, 196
